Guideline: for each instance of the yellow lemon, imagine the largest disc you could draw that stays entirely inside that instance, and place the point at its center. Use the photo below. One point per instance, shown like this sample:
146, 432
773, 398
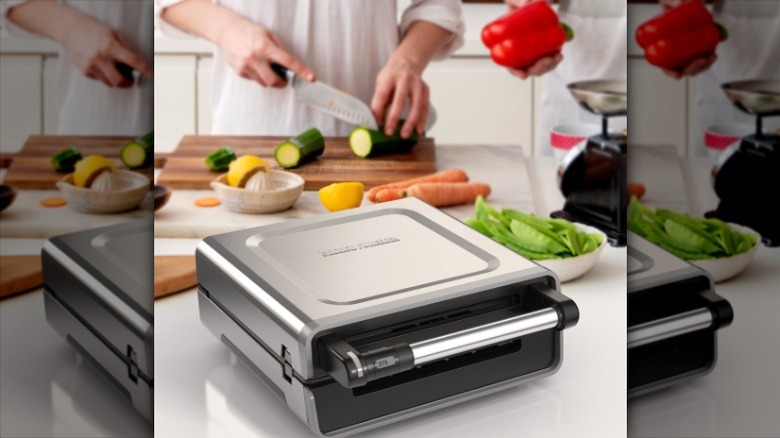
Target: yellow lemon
89, 167
242, 168
341, 196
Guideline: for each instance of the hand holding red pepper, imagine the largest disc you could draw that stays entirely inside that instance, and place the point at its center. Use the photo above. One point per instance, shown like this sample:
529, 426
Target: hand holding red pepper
527, 40
682, 40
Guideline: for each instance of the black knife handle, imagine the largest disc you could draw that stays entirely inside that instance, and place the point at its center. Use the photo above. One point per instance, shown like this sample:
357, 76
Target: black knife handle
280, 70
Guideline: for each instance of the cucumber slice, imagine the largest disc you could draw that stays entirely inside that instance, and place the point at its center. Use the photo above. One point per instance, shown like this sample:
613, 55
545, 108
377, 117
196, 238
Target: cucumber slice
366, 142
135, 154
300, 149
221, 159
66, 159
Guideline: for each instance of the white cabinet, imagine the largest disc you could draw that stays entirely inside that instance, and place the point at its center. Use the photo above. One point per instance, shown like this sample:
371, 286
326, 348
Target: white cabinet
174, 99
658, 108
480, 103
20, 113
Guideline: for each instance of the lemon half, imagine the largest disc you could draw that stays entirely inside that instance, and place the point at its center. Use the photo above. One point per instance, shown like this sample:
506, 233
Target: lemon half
89, 167
242, 168
341, 196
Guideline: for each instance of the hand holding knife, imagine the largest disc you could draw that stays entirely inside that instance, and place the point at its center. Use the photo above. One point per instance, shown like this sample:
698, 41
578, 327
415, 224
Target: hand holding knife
337, 103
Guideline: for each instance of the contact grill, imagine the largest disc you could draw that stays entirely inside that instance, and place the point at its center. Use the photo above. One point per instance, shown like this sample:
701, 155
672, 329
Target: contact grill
98, 297
310, 306
673, 317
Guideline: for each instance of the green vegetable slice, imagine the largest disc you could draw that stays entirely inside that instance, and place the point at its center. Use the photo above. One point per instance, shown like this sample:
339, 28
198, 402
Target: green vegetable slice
533, 239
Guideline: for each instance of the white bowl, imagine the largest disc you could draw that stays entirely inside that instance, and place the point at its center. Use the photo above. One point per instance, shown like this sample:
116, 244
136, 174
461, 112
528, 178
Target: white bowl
289, 189
728, 267
134, 187
574, 267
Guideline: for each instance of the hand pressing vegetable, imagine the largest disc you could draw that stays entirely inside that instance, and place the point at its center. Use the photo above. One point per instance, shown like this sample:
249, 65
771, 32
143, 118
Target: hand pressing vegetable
687, 237
443, 194
449, 175
532, 237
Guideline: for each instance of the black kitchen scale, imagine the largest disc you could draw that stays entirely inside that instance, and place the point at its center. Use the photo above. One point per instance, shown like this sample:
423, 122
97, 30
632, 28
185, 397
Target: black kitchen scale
592, 175
746, 176
673, 316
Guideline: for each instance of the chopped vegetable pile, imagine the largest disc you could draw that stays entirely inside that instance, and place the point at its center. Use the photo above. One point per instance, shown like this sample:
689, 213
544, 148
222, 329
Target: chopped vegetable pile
687, 237
532, 237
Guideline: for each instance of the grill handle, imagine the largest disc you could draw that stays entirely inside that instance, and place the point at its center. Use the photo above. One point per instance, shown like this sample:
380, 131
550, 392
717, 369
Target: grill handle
664, 328
352, 368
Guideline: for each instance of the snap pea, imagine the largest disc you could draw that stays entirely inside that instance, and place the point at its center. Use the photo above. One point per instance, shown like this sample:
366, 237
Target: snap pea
531, 236
534, 239
687, 237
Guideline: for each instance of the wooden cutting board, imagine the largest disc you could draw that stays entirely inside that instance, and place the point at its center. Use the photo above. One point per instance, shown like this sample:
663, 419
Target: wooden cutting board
185, 167
19, 274
173, 274
31, 167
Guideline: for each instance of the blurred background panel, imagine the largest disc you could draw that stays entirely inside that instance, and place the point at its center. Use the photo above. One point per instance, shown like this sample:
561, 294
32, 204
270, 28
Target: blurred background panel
75, 97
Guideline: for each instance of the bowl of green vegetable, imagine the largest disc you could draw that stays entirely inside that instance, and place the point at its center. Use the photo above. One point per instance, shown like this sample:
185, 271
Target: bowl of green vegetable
722, 249
571, 267
724, 268
568, 249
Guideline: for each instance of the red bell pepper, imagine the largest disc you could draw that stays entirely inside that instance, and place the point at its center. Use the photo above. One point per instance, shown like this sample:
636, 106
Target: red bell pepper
678, 36
525, 35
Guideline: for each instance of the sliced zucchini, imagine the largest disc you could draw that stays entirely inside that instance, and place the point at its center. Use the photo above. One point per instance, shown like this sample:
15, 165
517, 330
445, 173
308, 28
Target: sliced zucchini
136, 154
66, 159
366, 142
300, 149
221, 159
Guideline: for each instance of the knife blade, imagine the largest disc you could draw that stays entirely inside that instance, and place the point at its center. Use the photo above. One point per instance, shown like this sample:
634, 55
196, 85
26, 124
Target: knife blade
337, 103
327, 99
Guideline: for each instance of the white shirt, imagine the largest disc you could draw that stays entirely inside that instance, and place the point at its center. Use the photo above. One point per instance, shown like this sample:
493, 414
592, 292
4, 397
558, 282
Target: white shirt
750, 52
86, 106
345, 42
598, 51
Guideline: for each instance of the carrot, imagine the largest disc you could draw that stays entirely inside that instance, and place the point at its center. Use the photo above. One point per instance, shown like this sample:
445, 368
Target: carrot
447, 194
389, 195
53, 202
635, 189
449, 175
207, 202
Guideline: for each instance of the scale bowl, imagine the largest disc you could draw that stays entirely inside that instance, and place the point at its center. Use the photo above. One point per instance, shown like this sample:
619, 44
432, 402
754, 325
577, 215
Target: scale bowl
757, 97
605, 97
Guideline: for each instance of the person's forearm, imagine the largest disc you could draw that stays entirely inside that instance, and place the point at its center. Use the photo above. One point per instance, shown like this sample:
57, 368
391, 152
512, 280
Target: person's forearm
202, 18
49, 18
420, 43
